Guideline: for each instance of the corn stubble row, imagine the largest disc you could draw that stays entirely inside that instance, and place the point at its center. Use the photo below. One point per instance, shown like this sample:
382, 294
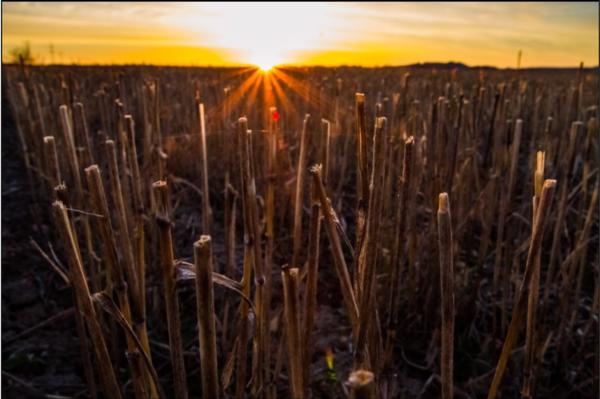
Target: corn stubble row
507, 253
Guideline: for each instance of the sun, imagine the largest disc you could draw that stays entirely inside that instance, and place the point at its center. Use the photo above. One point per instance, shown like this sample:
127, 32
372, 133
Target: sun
265, 66
264, 59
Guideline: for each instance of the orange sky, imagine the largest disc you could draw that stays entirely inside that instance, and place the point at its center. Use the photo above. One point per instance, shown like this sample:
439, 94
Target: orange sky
369, 34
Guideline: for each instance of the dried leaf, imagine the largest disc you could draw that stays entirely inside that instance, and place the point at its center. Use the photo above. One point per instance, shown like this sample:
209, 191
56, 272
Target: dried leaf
109, 306
185, 273
229, 366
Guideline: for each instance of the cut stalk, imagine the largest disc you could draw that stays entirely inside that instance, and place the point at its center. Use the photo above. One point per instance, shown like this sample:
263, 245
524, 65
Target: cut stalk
291, 280
138, 206
361, 149
247, 270
519, 309
52, 161
243, 326
310, 299
530, 340
253, 238
129, 264
60, 194
100, 207
206, 210
368, 253
272, 171
67, 129
82, 292
361, 383
447, 294
161, 198
251, 219
299, 195
331, 223
206, 318
362, 188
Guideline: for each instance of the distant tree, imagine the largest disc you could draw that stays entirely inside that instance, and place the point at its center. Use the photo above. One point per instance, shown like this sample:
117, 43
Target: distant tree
22, 54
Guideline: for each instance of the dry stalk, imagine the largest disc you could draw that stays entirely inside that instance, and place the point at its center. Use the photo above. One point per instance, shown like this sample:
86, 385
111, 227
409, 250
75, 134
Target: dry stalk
69, 139
520, 307
252, 232
67, 129
341, 269
161, 198
140, 254
447, 294
361, 148
52, 165
242, 331
131, 271
250, 204
362, 188
300, 172
368, 252
270, 236
310, 298
206, 317
82, 292
60, 193
565, 176
138, 206
530, 337
100, 206
291, 282
206, 210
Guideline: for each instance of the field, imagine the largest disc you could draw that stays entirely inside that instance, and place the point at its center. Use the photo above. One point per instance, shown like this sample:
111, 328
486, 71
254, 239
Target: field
419, 232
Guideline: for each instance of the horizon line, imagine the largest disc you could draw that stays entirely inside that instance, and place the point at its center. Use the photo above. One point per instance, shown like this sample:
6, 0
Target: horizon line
301, 65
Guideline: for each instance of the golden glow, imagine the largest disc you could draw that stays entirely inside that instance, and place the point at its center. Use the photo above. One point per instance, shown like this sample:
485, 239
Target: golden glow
366, 34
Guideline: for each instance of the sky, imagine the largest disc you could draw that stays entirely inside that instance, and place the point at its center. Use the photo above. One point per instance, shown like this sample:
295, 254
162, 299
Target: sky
266, 34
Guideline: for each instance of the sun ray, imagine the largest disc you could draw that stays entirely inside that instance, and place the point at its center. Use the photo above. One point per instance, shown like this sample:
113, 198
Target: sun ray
300, 88
286, 103
236, 95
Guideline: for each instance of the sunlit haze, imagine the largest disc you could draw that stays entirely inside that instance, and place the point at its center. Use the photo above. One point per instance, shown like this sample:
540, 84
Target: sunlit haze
268, 34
